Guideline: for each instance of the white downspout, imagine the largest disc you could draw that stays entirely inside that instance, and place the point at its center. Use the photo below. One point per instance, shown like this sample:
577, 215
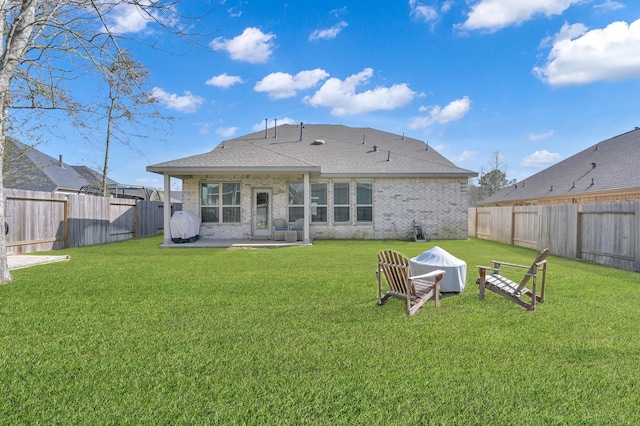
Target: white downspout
307, 207
167, 208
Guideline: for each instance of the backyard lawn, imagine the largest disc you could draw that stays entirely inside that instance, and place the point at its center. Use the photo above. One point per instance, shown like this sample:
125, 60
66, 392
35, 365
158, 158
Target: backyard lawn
128, 333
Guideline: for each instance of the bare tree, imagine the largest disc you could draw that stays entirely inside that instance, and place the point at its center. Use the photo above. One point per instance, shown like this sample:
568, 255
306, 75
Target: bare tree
127, 105
47, 44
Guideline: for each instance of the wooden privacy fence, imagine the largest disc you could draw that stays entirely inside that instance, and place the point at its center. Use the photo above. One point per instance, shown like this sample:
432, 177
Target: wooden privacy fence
604, 233
39, 221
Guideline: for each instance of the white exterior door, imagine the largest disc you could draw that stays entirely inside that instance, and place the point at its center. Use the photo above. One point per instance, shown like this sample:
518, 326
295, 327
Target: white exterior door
261, 213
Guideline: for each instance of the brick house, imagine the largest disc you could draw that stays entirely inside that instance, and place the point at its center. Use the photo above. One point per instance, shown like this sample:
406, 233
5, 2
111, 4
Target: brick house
342, 182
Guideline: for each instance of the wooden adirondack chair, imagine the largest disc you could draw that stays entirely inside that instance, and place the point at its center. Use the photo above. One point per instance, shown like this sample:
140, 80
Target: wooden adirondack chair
512, 290
416, 290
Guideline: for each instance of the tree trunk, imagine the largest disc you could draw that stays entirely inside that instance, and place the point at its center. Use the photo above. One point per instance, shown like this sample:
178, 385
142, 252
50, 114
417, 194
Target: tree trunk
15, 44
5, 274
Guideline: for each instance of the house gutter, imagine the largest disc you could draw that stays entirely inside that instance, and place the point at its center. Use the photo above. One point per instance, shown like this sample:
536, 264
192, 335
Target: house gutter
205, 170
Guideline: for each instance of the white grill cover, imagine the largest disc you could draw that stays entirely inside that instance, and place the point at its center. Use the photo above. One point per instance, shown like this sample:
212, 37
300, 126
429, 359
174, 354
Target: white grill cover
436, 258
184, 226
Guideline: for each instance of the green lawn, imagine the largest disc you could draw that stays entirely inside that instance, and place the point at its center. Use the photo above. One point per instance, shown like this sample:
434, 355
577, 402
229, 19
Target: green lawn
128, 333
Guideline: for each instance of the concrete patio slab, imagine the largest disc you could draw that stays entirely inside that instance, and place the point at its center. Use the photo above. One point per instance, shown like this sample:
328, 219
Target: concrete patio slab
236, 243
18, 261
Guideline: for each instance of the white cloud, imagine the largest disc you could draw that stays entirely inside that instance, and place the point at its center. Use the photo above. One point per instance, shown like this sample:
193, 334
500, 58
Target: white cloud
126, 18
224, 81
234, 12
226, 132
328, 33
203, 128
609, 5
446, 6
281, 85
187, 103
533, 137
493, 15
466, 156
454, 111
611, 53
342, 98
540, 159
424, 13
271, 123
251, 46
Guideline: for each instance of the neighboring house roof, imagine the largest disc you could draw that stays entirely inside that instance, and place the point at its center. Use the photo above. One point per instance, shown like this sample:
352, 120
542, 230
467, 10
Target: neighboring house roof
33, 170
328, 150
606, 167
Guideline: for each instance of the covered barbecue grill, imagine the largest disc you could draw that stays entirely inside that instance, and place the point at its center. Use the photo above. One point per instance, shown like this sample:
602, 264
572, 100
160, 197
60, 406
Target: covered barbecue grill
437, 258
185, 227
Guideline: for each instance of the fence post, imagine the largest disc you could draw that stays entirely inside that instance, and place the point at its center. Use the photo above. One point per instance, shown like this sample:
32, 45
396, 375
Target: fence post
579, 232
637, 231
65, 235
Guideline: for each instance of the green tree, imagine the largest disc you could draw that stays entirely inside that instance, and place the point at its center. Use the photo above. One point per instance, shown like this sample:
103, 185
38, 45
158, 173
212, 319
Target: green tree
490, 182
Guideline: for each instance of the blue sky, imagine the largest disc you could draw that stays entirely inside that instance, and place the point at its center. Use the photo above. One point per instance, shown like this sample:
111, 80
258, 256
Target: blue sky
536, 80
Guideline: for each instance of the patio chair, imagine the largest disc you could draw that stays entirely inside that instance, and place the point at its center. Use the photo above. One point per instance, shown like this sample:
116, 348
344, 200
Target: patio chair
298, 226
515, 291
279, 228
416, 290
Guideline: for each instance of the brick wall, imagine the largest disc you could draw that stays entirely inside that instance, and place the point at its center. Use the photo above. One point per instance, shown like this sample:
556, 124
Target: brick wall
438, 204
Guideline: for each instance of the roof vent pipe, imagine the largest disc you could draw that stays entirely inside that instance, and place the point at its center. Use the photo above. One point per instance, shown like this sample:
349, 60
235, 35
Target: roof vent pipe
427, 148
301, 127
275, 128
266, 127
593, 165
60, 163
375, 148
389, 156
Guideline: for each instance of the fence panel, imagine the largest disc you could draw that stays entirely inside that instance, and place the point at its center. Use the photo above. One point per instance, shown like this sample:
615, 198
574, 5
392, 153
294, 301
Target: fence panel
150, 218
40, 221
88, 220
606, 233
526, 226
122, 219
36, 221
472, 222
559, 229
495, 224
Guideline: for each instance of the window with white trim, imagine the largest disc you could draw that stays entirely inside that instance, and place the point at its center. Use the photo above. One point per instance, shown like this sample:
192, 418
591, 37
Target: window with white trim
319, 202
341, 208
220, 202
364, 202
296, 201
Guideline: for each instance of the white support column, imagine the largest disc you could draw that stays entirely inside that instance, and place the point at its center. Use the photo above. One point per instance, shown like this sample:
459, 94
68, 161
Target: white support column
307, 207
167, 208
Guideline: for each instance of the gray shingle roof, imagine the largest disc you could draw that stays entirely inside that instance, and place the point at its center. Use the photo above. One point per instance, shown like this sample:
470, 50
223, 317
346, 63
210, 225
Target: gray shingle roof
30, 169
610, 165
345, 151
